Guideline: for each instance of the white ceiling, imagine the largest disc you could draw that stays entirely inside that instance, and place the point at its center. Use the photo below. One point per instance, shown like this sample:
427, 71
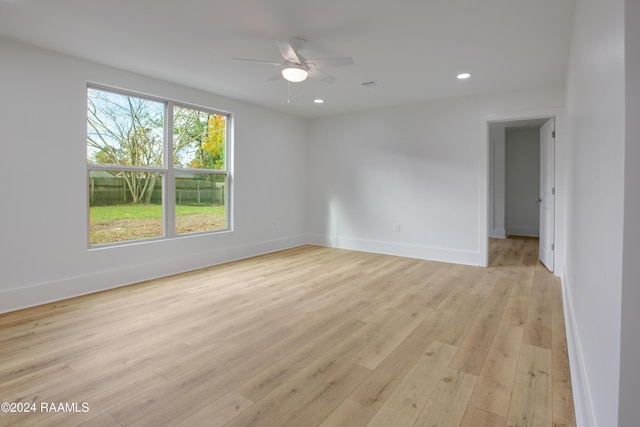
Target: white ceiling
413, 48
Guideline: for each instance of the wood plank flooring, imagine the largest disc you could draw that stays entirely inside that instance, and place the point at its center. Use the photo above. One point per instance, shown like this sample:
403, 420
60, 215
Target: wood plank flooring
310, 336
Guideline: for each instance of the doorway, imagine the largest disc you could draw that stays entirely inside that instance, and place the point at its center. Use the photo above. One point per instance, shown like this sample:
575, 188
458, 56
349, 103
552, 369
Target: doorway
520, 165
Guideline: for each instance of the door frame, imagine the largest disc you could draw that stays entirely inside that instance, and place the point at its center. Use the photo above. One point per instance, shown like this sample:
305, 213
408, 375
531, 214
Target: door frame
486, 173
546, 199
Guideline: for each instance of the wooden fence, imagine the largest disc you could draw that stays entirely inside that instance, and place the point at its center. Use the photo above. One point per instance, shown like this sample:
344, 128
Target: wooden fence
104, 191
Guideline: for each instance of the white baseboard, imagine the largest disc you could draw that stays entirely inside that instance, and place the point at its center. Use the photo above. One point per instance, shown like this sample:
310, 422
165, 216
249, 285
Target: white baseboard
15, 299
399, 249
43, 293
582, 399
498, 233
523, 231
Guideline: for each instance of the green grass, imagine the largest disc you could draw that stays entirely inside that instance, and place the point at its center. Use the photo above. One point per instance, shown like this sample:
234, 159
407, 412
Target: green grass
132, 211
190, 210
119, 223
137, 211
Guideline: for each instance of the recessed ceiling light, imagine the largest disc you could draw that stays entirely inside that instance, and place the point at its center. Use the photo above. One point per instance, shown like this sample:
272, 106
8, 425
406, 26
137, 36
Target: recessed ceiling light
463, 76
318, 101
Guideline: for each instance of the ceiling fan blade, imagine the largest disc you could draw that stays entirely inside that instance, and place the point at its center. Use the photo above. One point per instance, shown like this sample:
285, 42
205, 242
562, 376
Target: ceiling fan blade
276, 76
259, 61
331, 62
288, 53
322, 76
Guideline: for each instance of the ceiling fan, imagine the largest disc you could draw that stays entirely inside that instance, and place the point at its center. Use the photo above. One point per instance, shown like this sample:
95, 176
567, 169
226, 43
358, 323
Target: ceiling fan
296, 68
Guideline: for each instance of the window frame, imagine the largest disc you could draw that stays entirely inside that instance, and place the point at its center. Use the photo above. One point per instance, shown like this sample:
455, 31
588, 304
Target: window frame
168, 170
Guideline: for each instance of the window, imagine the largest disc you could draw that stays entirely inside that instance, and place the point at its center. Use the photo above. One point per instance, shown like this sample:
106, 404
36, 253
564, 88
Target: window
156, 169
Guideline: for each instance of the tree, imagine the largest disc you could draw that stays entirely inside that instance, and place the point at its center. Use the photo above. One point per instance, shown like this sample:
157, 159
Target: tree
198, 139
126, 131
210, 154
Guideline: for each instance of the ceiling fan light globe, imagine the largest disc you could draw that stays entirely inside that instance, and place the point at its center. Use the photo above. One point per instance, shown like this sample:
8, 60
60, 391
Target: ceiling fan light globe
294, 75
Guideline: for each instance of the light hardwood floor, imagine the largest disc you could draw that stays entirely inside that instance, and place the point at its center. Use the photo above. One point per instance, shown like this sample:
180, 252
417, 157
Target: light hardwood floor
310, 336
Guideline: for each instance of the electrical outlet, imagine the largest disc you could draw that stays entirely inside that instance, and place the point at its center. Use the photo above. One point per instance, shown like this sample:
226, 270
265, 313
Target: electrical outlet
396, 227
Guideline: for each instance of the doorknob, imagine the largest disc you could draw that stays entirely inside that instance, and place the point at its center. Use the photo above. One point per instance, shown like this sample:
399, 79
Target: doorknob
538, 200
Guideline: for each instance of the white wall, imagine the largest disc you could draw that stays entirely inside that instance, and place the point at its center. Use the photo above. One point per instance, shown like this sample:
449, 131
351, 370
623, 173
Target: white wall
594, 226
43, 180
629, 410
522, 183
421, 166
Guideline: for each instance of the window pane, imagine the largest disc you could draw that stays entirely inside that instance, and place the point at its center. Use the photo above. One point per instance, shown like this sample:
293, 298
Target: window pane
124, 130
199, 139
200, 202
124, 206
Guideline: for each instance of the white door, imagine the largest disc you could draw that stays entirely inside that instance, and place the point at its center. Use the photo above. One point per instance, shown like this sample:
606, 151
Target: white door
547, 193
